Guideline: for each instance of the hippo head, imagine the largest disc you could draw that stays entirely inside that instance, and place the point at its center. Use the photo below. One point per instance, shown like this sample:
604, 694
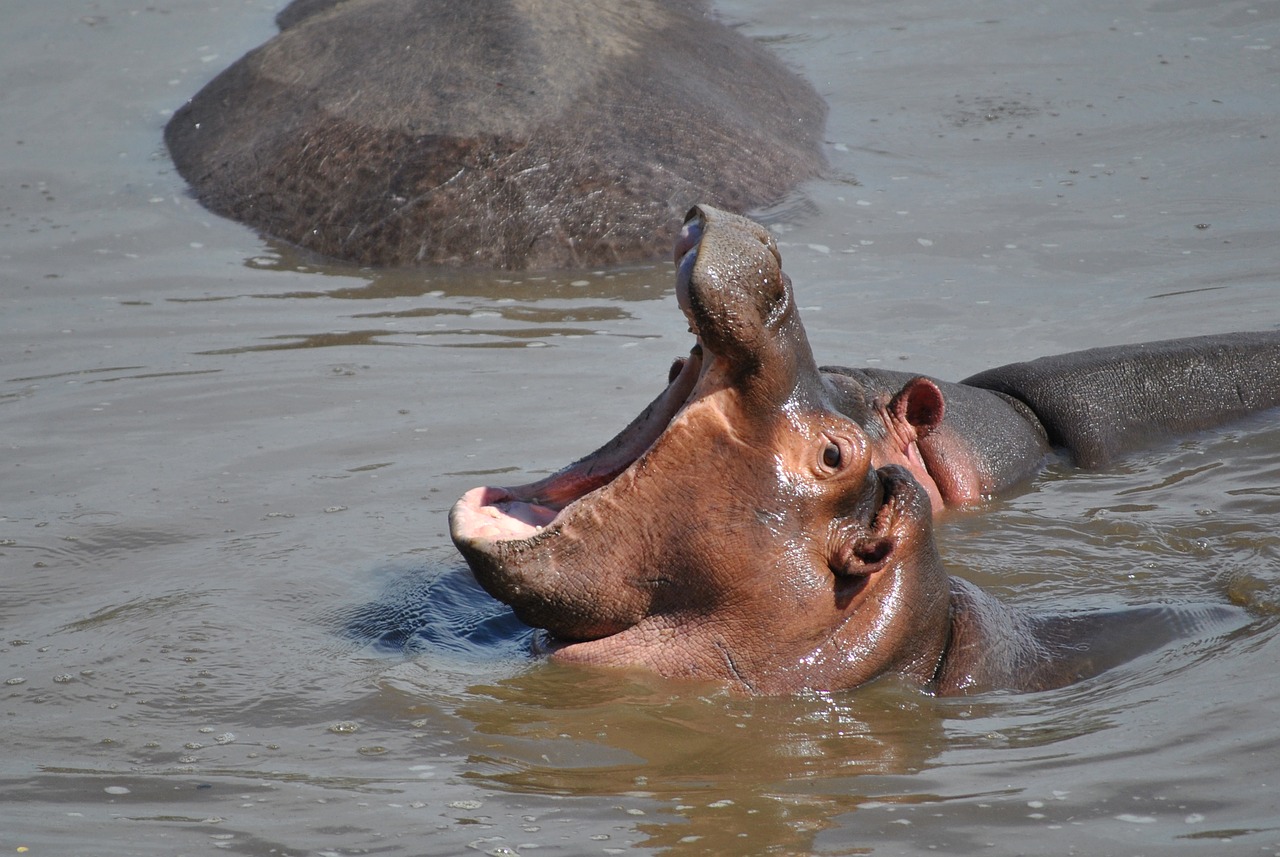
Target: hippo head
737, 530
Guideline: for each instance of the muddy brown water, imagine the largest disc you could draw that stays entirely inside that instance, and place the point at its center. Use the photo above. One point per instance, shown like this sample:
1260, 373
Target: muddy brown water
225, 468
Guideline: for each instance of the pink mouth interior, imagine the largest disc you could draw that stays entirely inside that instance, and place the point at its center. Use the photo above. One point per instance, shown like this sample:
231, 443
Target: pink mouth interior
508, 514
496, 515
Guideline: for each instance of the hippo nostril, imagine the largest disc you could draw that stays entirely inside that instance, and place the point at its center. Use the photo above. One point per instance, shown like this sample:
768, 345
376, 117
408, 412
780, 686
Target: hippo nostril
684, 279
872, 553
861, 558
689, 237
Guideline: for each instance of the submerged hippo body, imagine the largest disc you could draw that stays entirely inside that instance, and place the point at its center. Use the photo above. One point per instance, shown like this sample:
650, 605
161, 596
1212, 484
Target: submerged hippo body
496, 133
768, 524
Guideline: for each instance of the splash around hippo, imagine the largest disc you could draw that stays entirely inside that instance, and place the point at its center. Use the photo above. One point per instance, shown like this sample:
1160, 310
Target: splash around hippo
768, 524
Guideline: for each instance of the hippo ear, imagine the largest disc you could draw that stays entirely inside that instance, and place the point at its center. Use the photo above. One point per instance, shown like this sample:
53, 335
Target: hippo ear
918, 404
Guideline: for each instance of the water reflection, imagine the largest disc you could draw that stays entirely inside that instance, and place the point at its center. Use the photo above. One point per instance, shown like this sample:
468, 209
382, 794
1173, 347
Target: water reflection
536, 315
644, 282
509, 337
713, 767
725, 774
468, 309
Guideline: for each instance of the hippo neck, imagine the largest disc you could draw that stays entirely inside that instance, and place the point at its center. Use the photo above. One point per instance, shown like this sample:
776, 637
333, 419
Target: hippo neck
992, 646
997, 647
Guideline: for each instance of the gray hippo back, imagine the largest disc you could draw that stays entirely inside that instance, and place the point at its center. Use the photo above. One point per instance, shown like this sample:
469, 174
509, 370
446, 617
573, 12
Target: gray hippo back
499, 133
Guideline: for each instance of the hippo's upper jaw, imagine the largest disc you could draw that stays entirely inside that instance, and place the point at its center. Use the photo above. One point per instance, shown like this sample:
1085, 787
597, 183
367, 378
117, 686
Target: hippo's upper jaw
736, 530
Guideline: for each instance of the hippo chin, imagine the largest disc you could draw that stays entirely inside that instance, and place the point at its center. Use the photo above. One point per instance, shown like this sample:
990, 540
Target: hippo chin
768, 524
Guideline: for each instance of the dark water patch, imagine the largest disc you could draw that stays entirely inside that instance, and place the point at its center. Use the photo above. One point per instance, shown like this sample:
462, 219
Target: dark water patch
529, 333
513, 338
645, 282
74, 373
426, 612
1227, 834
206, 299
1181, 292
289, 342
365, 468
536, 315
1268, 491
137, 610
148, 375
487, 345
492, 472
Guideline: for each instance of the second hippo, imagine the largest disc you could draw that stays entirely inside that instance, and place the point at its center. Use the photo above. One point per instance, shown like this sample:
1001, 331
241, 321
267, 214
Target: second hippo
495, 133
768, 524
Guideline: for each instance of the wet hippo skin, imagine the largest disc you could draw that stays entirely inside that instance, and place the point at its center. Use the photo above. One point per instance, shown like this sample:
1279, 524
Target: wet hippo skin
497, 133
769, 525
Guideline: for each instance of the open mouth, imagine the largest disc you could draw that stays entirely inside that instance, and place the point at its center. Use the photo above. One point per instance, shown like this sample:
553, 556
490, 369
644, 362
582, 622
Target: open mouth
528, 512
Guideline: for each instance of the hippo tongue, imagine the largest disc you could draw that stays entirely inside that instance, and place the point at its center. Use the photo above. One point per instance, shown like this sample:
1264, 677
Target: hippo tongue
530, 514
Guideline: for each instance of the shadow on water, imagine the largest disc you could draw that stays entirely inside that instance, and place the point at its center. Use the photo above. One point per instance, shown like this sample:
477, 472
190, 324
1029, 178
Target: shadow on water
447, 307
433, 612
642, 282
506, 337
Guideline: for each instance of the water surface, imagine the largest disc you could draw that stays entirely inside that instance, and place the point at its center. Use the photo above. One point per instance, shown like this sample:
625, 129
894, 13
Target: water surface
232, 617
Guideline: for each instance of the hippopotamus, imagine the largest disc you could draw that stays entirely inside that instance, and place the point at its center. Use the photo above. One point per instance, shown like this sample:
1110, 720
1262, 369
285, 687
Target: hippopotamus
769, 524
495, 133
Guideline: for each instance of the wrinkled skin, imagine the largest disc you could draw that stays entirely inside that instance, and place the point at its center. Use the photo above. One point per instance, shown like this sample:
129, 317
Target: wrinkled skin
807, 533
495, 133
768, 524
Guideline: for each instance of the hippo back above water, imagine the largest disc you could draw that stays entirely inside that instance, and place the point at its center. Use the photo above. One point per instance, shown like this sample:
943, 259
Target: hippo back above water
498, 133
769, 524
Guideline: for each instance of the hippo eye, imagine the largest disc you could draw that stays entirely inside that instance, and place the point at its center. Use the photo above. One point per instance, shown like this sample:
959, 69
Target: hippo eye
831, 456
